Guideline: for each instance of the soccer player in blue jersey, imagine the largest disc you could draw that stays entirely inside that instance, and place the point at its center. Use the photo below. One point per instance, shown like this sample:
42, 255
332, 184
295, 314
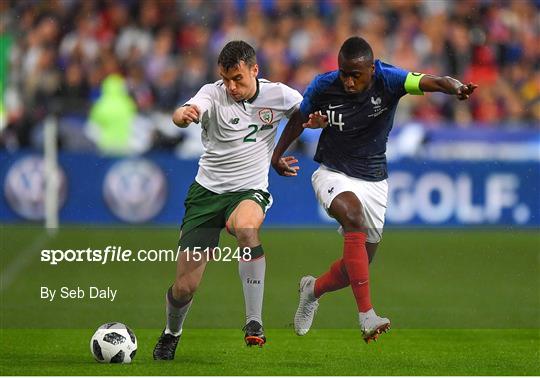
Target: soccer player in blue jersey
355, 106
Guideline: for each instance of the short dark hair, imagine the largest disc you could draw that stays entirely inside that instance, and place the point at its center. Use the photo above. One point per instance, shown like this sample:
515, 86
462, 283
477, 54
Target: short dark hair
356, 47
234, 52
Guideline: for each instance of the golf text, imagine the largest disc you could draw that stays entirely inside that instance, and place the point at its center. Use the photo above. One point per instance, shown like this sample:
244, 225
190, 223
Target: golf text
65, 292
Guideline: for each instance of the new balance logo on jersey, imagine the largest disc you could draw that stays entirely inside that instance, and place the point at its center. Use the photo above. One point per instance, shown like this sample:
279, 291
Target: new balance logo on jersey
234, 121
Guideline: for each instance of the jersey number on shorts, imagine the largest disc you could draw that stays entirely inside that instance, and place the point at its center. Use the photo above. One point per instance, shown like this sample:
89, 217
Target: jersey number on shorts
259, 197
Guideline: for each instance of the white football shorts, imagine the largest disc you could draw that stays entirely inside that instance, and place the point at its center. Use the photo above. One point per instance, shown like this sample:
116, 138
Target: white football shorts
373, 196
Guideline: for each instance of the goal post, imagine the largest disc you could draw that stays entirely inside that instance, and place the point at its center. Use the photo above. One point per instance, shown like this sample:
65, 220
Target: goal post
51, 174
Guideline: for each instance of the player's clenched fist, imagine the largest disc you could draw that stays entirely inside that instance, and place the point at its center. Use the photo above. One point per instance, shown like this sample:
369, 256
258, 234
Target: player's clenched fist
185, 115
465, 90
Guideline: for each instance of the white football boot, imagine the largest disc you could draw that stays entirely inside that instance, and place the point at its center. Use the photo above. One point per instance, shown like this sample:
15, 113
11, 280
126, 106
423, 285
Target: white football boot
306, 307
372, 325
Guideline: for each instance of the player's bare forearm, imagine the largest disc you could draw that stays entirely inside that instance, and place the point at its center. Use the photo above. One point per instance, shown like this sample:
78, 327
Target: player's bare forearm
292, 130
448, 85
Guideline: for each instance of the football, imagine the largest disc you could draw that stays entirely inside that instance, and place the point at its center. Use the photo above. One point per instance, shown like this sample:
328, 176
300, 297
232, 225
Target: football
113, 343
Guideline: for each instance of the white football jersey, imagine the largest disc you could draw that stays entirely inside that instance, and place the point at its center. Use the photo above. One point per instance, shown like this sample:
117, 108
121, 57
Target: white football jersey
239, 137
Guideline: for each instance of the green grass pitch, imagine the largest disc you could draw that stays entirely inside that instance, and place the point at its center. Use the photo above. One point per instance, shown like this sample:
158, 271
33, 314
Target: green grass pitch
462, 302
321, 352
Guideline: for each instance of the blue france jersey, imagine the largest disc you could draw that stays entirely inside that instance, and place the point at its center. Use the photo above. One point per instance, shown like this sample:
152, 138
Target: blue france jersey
355, 140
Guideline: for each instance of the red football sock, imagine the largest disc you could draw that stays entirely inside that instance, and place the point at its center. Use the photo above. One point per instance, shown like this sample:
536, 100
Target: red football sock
334, 279
356, 262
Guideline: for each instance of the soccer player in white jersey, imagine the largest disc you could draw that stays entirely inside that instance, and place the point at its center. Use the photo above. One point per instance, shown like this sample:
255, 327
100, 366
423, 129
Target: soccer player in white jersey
239, 116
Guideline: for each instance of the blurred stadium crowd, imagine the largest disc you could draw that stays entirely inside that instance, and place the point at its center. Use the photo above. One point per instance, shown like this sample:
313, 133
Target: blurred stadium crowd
72, 58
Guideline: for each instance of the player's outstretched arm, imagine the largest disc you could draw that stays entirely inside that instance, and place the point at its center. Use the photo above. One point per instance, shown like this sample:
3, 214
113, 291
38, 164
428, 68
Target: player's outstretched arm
292, 130
448, 85
185, 115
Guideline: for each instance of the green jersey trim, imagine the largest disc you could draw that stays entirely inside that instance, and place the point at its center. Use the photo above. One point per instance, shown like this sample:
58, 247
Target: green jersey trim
412, 83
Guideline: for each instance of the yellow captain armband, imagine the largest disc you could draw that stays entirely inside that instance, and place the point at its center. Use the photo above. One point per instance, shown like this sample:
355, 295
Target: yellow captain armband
412, 83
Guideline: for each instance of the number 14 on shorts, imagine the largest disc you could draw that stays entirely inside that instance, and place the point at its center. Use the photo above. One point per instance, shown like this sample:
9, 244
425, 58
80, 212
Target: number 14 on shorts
225, 254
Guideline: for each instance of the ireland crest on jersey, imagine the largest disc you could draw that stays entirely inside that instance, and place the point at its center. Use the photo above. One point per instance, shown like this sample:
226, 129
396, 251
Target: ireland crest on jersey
266, 115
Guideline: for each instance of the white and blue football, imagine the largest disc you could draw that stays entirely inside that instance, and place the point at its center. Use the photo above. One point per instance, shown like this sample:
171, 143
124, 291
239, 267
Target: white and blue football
113, 343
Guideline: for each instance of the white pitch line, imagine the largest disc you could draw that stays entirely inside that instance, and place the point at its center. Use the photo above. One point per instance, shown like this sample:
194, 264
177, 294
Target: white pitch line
21, 261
